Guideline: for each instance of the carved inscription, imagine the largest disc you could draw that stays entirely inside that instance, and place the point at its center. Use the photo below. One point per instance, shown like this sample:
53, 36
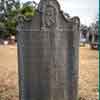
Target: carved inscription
50, 16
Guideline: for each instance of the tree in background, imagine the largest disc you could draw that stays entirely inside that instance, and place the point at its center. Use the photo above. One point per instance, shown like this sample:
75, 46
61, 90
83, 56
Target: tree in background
84, 30
9, 10
94, 26
28, 9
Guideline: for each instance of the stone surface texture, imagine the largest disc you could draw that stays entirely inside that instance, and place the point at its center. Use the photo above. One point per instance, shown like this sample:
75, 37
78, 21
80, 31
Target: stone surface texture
48, 54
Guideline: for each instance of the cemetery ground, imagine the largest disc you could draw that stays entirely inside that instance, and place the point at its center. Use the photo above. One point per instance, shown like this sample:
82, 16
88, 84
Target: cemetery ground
88, 74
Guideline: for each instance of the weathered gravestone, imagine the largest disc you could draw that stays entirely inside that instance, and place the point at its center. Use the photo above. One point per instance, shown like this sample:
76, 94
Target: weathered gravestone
48, 54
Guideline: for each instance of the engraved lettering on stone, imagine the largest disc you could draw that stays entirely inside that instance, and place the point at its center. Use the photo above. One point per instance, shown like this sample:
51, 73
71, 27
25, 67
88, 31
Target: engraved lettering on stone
50, 16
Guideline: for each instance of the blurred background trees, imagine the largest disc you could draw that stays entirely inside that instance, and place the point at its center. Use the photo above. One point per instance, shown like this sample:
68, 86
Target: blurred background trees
9, 10
8, 13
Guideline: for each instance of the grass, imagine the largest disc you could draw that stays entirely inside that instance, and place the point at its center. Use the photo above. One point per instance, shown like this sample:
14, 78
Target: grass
88, 75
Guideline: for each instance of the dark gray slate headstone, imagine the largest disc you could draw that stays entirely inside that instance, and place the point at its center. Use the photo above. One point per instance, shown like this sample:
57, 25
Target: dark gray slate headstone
48, 54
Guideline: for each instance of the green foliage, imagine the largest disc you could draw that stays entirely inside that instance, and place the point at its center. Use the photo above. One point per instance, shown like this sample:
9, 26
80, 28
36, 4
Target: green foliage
10, 26
9, 9
2, 29
27, 10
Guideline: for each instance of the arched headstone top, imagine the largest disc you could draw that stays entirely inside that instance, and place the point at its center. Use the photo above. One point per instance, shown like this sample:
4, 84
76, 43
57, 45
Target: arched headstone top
48, 17
50, 11
46, 3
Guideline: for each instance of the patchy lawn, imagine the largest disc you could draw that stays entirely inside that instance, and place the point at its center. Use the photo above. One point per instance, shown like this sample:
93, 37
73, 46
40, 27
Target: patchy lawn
88, 81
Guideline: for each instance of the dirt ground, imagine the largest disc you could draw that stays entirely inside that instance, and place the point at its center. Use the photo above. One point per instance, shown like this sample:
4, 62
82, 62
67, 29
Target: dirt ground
88, 73
88, 78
